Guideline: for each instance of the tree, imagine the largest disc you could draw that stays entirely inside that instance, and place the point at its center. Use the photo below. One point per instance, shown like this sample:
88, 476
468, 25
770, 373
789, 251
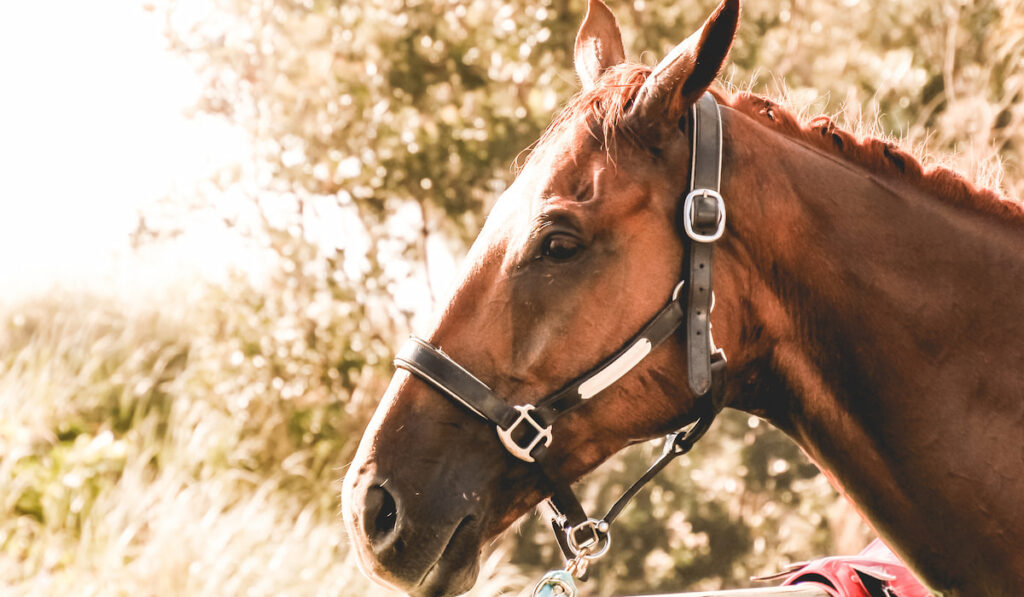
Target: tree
406, 117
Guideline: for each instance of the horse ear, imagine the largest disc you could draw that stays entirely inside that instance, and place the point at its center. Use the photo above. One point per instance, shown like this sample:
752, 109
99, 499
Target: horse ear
598, 44
688, 70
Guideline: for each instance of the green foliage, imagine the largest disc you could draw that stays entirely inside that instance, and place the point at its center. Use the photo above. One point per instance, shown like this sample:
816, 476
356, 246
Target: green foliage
298, 362
391, 101
127, 431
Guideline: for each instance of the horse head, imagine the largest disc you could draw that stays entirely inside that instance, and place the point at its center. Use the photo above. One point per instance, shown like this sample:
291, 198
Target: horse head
576, 255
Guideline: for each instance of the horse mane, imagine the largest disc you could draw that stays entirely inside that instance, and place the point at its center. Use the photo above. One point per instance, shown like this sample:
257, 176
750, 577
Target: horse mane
604, 110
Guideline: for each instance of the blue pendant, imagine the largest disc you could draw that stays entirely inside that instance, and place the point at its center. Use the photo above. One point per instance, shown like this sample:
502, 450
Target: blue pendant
556, 583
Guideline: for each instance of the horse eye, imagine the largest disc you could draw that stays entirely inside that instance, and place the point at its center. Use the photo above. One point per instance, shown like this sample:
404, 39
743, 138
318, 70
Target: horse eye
560, 246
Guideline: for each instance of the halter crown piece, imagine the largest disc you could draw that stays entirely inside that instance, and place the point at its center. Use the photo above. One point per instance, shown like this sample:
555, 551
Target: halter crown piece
526, 430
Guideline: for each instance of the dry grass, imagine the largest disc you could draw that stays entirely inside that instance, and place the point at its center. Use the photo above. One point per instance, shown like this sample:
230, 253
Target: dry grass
115, 477
170, 534
128, 468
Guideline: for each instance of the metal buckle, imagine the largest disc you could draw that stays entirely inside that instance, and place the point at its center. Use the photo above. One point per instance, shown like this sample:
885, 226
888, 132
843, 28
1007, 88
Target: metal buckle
688, 214
523, 452
592, 547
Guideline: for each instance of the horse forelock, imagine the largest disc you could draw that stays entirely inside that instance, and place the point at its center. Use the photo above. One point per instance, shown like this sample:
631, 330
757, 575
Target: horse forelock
603, 111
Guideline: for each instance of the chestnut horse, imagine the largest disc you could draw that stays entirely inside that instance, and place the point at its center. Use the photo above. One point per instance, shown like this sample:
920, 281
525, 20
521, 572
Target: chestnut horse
869, 308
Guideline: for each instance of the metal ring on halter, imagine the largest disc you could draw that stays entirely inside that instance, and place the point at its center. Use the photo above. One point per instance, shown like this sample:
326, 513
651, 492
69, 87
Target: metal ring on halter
678, 289
597, 545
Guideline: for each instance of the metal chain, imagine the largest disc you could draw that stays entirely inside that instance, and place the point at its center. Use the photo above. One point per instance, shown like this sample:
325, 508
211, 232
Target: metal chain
578, 565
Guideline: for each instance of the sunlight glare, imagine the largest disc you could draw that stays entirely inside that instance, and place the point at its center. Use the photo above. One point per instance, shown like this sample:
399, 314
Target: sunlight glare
92, 128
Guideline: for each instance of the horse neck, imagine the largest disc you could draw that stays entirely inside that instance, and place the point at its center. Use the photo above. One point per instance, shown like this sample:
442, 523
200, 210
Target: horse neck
878, 324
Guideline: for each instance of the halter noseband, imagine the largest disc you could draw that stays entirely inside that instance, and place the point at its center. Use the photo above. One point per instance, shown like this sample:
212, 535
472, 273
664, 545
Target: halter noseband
526, 430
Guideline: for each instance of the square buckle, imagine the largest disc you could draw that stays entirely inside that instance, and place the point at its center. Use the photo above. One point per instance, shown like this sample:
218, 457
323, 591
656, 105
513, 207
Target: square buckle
542, 434
689, 213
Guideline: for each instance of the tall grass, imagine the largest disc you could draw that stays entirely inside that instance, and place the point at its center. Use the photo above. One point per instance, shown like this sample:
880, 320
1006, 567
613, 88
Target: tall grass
161, 446
126, 469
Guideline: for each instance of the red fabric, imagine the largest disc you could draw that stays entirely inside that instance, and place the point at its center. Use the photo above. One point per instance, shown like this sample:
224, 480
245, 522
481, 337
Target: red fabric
871, 573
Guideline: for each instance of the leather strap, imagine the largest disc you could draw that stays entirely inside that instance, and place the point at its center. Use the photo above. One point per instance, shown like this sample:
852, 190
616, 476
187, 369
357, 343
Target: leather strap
704, 217
441, 371
435, 367
658, 329
703, 220
680, 442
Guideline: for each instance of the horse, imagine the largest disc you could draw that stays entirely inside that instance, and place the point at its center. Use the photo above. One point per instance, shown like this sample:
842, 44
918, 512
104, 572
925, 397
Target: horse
868, 307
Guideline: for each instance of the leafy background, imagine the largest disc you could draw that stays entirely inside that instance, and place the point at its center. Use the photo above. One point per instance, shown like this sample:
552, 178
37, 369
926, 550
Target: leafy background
190, 441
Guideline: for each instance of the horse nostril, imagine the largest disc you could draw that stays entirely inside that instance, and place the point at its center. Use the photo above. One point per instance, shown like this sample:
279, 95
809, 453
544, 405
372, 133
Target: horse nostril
381, 515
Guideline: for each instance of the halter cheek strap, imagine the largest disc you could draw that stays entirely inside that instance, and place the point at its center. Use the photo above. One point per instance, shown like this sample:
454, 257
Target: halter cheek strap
526, 430
703, 215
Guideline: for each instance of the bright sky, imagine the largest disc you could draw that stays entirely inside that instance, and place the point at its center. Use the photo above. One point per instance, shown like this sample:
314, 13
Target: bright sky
91, 129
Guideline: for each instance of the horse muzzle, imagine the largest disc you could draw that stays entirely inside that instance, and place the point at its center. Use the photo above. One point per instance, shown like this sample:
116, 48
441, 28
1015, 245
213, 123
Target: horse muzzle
415, 545
415, 499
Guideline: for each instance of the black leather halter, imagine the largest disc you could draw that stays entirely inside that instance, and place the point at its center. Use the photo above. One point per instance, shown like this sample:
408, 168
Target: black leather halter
526, 430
